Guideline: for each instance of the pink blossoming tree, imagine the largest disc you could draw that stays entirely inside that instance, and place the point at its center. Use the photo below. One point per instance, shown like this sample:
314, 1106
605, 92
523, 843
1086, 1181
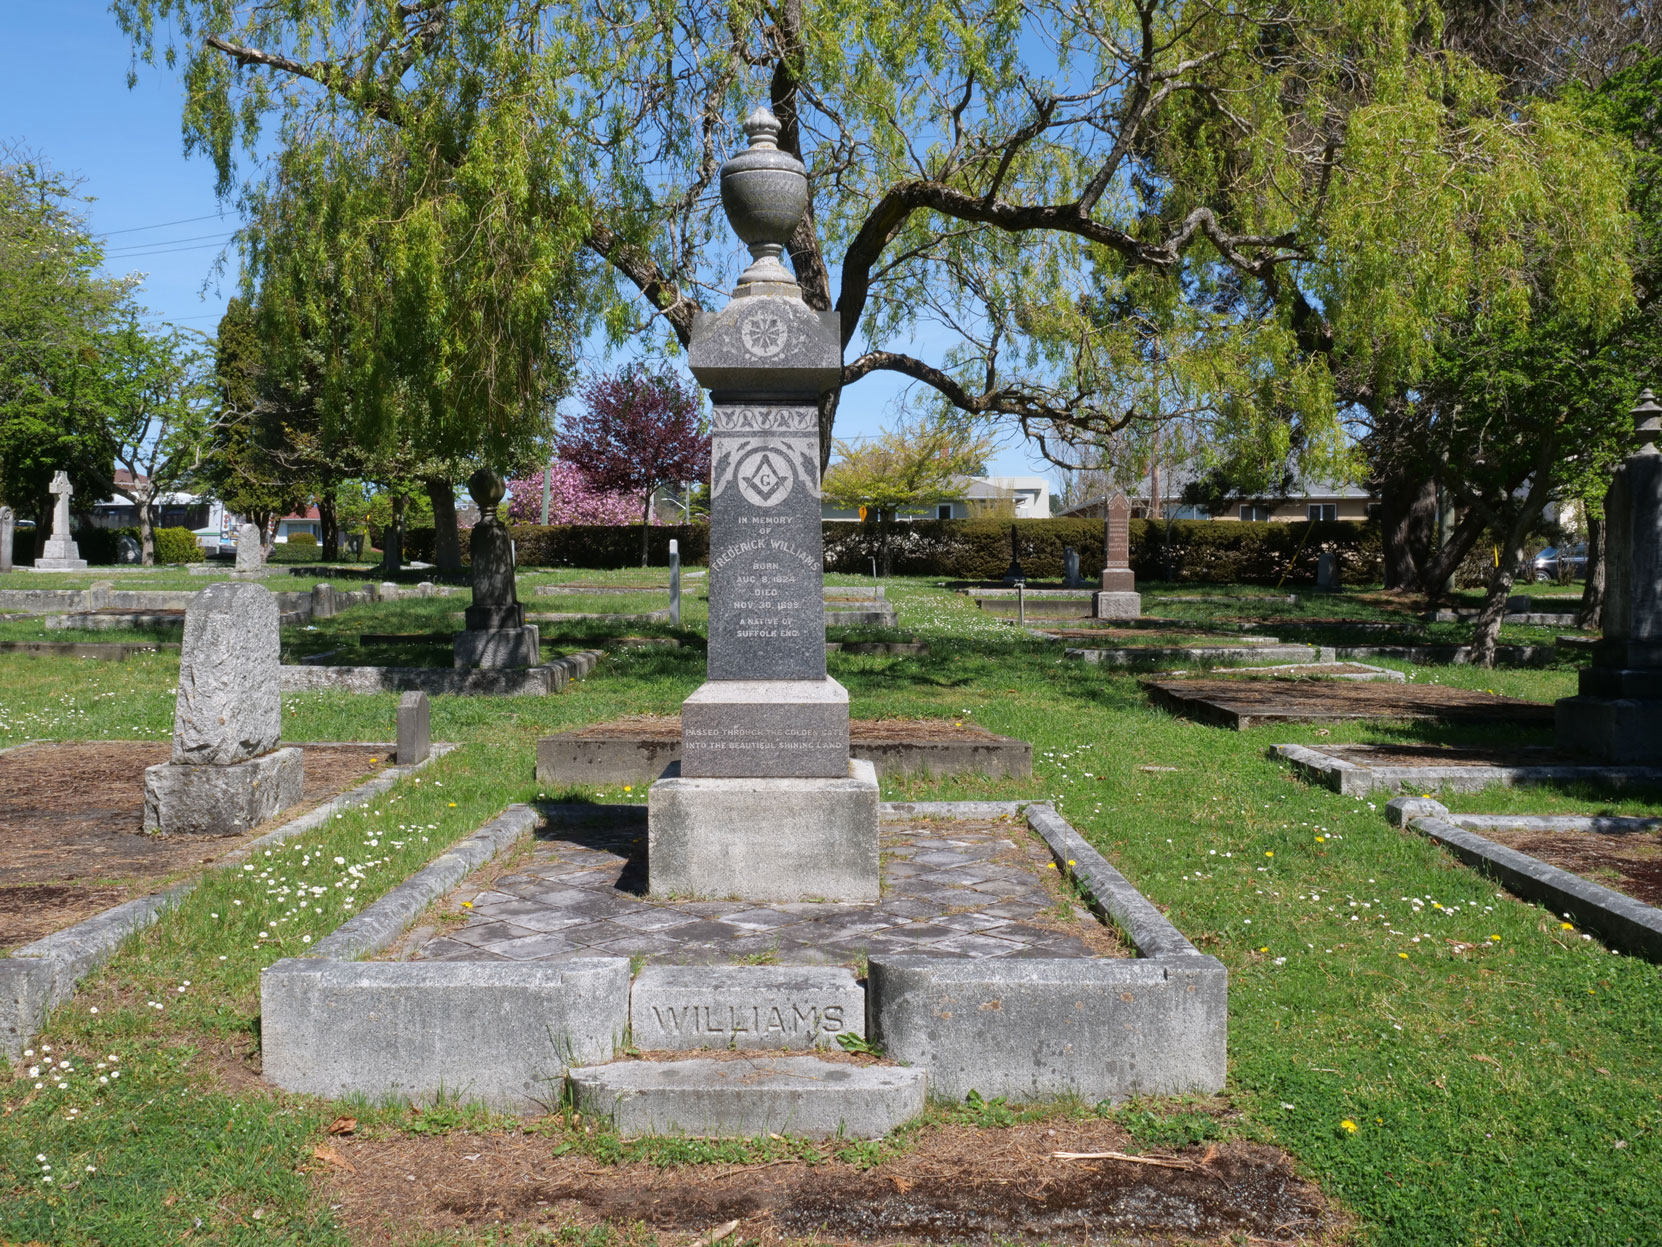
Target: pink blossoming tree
573, 499
639, 429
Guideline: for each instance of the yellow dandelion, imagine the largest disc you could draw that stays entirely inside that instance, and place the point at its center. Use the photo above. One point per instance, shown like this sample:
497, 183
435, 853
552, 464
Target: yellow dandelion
1566, 926
628, 788
1269, 853
452, 805
1495, 938
1321, 839
1348, 1126
1404, 956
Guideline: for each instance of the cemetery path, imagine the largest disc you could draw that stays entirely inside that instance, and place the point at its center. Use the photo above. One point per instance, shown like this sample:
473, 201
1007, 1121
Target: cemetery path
954, 1183
71, 828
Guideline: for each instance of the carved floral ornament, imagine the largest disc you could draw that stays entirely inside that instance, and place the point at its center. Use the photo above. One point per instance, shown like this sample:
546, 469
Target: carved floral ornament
764, 419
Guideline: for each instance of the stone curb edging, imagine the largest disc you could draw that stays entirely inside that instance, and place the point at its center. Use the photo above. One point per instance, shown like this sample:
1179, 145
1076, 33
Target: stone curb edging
542, 680
1351, 779
36, 978
1619, 920
1134, 655
1040, 1027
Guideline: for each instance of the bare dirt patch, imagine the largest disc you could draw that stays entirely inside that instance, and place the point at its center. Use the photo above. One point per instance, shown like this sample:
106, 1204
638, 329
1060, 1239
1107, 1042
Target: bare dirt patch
1629, 862
873, 731
1244, 703
957, 1184
71, 828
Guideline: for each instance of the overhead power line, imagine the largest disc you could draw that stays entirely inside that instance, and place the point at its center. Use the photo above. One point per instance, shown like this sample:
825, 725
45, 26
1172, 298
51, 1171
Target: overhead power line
145, 255
167, 242
160, 225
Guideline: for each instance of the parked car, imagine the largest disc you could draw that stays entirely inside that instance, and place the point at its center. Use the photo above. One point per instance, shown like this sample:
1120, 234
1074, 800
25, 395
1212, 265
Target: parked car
1555, 564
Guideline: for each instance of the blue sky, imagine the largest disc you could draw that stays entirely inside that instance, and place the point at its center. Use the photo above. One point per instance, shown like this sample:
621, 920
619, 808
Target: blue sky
64, 94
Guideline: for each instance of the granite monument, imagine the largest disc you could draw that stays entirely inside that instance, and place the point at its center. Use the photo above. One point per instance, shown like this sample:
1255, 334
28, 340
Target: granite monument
497, 634
60, 553
765, 803
1117, 596
1616, 717
8, 533
228, 772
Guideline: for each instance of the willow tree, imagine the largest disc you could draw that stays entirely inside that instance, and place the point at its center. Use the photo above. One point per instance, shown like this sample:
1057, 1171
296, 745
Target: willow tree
1008, 196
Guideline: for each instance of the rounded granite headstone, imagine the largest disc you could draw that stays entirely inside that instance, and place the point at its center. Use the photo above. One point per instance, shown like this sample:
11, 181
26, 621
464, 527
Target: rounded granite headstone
127, 550
230, 705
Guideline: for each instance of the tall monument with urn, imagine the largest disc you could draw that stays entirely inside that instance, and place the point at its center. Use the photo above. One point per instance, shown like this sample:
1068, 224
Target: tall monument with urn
765, 803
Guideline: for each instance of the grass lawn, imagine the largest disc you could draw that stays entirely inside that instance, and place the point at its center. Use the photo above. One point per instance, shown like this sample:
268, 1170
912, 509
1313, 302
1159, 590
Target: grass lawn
1448, 1063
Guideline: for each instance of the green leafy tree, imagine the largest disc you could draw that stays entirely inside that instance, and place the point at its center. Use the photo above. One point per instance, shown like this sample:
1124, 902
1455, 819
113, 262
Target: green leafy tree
54, 307
914, 466
156, 402
1039, 186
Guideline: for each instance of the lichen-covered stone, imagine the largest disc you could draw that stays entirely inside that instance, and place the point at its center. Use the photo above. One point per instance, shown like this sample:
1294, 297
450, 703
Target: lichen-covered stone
230, 705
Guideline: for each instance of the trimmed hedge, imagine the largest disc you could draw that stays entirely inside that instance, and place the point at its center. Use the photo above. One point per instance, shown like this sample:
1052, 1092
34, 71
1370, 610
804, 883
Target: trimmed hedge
302, 539
178, 545
1218, 551
1199, 550
583, 545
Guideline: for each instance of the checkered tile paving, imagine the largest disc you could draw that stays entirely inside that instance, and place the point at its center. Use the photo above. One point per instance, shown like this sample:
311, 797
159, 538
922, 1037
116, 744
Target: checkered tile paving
958, 889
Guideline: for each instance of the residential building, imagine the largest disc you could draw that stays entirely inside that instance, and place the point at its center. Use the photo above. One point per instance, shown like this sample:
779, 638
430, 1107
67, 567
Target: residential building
1306, 500
1026, 497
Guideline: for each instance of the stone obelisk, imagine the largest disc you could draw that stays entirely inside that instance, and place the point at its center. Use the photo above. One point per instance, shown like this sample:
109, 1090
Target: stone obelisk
1117, 596
1617, 716
765, 803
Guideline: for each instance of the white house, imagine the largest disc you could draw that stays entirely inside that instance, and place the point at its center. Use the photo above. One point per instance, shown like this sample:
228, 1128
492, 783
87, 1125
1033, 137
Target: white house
1029, 496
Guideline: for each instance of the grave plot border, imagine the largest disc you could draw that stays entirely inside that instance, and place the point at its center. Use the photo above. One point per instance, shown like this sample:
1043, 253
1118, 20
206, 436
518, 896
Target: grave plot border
1132, 656
539, 681
1351, 779
1039, 1028
38, 977
1619, 920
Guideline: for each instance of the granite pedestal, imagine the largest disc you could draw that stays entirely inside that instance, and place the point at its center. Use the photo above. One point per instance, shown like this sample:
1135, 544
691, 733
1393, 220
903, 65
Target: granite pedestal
494, 648
765, 839
221, 800
1117, 606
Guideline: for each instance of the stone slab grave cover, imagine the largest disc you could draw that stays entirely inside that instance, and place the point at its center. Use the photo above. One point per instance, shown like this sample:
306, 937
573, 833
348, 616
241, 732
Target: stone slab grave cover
60, 553
1616, 716
1117, 596
228, 772
250, 555
765, 802
497, 635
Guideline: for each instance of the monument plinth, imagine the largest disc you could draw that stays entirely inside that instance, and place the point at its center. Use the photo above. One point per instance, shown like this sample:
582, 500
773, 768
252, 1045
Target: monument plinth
497, 634
1617, 715
765, 803
60, 553
1117, 596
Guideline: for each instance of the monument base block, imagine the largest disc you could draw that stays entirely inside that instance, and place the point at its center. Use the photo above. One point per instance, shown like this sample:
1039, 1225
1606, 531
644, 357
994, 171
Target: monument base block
786, 729
221, 800
498, 647
1118, 605
60, 565
1617, 730
778, 840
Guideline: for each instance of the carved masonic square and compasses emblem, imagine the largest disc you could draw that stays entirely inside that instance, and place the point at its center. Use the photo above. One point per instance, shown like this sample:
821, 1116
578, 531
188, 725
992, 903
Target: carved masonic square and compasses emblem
764, 478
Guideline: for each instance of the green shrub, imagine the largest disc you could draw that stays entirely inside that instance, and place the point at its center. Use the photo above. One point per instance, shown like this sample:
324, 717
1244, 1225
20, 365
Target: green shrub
177, 545
302, 539
582, 545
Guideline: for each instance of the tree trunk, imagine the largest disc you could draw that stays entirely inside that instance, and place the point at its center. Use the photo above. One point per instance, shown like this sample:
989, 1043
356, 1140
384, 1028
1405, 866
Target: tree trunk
329, 521
147, 533
392, 541
827, 420
447, 542
1487, 632
1592, 592
1408, 513
646, 528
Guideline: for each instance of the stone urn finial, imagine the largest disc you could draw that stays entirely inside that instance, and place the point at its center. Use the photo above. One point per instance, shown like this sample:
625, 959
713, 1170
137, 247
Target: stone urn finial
487, 488
1647, 422
765, 193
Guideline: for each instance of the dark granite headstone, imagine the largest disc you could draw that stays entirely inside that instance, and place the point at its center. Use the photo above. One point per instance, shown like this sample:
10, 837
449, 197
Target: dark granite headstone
496, 635
1013, 575
1071, 579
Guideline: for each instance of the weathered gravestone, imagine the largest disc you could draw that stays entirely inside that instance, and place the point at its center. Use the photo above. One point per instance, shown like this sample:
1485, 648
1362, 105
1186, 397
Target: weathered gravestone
1071, 579
1013, 574
497, 634
1617, 716
1117, 597
60, 553
128, 550
765, 803
415, 731
674, 583
250, 556
1327, 572
8, 533
228, 772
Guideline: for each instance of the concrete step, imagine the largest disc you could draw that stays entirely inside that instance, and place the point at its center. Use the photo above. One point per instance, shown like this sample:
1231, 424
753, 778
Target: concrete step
747, 1097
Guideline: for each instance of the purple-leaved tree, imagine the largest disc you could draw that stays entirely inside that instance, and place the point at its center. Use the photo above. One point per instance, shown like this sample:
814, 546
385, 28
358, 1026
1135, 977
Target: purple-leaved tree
572, 499
639, 429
